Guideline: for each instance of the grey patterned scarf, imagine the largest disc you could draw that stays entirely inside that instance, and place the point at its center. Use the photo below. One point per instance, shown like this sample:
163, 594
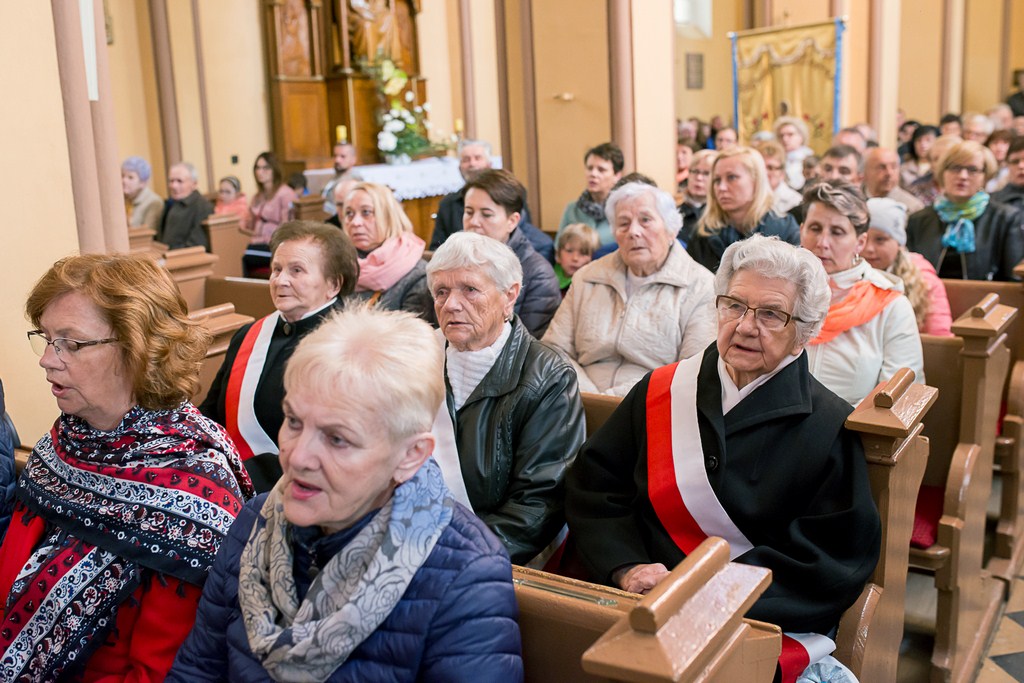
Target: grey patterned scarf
353, 594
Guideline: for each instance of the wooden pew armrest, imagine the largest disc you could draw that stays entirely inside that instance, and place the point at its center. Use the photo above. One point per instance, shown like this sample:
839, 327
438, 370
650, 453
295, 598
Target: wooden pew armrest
962, 470
855, 627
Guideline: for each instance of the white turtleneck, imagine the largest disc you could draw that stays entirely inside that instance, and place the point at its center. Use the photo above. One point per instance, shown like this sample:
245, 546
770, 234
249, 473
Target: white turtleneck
466, 369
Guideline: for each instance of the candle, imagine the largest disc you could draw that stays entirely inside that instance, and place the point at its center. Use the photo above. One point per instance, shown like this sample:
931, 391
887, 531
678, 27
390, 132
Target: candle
458, 126
342, 133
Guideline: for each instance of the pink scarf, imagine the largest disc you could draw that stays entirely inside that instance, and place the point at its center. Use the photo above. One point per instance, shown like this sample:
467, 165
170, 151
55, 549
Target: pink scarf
388, 263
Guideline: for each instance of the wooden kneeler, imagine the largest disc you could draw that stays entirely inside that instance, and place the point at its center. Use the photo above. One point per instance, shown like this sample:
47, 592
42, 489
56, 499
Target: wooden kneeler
962, 428
889, 423
597, 408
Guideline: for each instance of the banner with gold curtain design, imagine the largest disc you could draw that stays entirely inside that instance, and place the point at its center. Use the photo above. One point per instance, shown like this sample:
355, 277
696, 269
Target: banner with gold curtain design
792, 71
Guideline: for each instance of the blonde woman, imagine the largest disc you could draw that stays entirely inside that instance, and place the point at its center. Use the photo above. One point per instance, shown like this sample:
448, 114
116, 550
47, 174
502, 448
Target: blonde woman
392, 272
886, 249
739, 205
792, 135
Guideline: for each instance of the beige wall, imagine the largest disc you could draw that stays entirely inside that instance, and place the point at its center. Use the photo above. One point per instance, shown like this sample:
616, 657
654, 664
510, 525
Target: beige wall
654, 115
133, 85
716, 95
982, 54
485, 73
186, 87
236, 93
35, 155
436, 59
920, 60
856, 55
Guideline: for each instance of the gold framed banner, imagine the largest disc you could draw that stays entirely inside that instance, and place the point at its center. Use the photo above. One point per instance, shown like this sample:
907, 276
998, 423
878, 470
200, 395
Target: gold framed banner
792, 71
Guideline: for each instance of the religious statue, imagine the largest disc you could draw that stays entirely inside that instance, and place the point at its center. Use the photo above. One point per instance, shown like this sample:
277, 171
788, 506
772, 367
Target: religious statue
383, 29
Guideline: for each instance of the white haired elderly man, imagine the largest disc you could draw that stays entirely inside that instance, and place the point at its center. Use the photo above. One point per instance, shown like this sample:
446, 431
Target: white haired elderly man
741, 442
182, 222
514, 414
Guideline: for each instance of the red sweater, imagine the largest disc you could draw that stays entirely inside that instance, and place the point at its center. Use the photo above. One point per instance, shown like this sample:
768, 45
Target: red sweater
149, 629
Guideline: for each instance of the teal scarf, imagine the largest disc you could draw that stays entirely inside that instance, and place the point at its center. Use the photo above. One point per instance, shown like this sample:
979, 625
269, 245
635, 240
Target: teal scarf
959, 220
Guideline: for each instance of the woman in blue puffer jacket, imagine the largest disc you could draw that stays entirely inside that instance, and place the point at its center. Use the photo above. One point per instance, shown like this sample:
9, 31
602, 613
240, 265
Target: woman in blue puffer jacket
358, 565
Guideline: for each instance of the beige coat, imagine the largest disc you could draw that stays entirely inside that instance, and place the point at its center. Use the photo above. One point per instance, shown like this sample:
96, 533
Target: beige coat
613, 342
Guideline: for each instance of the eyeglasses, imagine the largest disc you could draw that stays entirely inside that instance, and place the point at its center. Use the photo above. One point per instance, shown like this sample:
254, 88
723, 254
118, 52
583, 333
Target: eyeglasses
957, 169
61, 345
769, 319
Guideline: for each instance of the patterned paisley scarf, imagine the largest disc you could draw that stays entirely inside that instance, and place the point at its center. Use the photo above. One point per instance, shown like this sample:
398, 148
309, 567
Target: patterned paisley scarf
959, 220
352, 595
589, 207
158, 493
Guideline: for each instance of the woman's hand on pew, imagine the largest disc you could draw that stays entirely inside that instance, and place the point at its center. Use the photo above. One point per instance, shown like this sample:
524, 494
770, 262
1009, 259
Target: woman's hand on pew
641, 578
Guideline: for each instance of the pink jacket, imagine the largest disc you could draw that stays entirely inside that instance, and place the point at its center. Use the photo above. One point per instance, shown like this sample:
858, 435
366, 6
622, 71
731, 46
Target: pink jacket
267, 216
939, 319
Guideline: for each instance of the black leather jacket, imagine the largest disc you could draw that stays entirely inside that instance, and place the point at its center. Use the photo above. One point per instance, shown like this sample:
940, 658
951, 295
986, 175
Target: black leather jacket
999, 244
517, 434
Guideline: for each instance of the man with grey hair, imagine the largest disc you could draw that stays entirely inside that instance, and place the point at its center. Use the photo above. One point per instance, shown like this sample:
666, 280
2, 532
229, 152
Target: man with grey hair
182, 223
474, 156
882, 178
977, 127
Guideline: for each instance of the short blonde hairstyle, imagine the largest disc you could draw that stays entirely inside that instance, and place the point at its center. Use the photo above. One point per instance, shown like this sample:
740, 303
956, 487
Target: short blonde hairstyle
800, 126
963, 153
703, 155
715, 218
392, 360
390, 217
161, 347
582, 234
770, 149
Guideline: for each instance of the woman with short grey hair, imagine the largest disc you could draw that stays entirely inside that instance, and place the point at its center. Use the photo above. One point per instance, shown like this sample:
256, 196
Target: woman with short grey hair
643, 306
514, 412
739, 442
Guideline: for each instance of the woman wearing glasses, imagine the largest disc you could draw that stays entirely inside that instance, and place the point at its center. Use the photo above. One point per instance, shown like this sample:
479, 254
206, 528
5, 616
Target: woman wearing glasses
870, 331
743, 443
965, 234
271, 206
123, 505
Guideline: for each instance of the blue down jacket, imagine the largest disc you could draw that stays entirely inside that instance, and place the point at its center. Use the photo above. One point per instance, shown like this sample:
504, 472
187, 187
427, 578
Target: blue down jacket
456, 621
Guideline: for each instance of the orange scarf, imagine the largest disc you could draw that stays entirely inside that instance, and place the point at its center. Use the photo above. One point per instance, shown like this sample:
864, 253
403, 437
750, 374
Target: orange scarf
863, 303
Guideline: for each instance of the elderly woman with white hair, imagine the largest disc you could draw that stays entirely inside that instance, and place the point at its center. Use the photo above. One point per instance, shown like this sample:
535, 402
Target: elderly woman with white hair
739, 442
643, 306
514, 409
792, 134
358, 565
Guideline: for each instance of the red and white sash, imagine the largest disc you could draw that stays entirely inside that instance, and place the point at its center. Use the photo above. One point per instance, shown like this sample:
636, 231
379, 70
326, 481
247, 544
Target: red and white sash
240, 414
681, 493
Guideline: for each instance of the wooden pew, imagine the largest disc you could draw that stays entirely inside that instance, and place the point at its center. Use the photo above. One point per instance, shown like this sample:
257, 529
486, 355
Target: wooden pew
309, 208
249, 296
140, 241
1008, 549
190, 268
221, 322
970, 373
228, 242
692, 623
597, 408
889, 423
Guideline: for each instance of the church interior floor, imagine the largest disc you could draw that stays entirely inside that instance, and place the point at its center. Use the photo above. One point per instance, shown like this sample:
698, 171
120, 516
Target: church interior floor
1004, 662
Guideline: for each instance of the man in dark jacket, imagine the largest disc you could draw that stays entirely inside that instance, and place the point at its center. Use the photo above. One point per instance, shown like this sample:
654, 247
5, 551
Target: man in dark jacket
1013, 193
182, 222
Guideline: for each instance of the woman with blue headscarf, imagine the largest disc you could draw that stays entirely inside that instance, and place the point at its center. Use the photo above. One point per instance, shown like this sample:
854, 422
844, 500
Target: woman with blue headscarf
965, 234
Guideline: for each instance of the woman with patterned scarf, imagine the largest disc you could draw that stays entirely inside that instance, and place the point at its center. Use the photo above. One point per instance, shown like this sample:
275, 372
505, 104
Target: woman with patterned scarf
965, 234
604, 168
358, 565
123, 505
870, 330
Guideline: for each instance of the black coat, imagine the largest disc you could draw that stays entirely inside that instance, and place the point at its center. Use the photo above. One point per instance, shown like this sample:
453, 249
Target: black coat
517, 434
182, 222
410, 293
707, 250
787, 472
691, 215
270, 390
1011, 195
999, 243
540, 296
